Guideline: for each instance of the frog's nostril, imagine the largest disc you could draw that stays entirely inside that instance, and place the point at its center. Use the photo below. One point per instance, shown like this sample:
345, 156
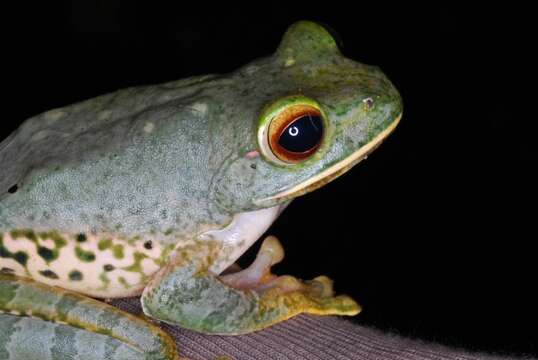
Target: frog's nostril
369, 102
13, 189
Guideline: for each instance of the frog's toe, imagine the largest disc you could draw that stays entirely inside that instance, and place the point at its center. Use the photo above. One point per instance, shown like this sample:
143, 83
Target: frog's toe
314, 296
258, 275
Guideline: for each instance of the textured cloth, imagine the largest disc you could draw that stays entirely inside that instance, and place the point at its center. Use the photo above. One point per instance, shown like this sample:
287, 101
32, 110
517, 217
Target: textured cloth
307, 337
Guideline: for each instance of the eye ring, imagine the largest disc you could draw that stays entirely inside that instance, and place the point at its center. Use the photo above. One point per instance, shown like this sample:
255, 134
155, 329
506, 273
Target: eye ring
278, 116
291, 130
296, 133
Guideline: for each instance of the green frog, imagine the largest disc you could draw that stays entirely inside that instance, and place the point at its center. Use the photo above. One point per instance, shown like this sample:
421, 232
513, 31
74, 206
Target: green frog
156, 191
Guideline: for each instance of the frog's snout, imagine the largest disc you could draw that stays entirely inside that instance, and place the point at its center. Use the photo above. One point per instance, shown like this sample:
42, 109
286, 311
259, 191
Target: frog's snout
385, 111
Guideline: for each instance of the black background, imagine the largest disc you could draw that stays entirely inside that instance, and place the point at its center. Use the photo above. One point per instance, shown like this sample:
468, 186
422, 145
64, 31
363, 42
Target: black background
433, 233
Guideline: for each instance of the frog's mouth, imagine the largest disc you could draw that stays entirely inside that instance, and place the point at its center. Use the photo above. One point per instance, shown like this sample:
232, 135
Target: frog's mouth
335, 170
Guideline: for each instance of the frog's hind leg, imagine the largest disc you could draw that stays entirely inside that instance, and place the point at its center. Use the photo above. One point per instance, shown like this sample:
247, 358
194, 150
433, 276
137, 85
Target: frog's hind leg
42, 322
187, 293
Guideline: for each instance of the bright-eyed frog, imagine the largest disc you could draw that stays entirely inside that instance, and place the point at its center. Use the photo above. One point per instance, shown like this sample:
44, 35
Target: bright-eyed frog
157, 191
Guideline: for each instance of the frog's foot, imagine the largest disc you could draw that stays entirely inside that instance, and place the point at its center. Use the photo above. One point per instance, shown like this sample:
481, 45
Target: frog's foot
258, 277
188, 294
43, 322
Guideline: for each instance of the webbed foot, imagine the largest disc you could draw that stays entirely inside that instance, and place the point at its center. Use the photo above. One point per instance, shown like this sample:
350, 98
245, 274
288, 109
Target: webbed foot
188, 294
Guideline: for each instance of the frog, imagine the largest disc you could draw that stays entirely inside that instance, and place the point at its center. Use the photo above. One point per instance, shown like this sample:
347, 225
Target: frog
156, 191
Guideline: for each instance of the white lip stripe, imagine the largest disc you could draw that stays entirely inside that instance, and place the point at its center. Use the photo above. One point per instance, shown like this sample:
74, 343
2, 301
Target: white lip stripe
356, 156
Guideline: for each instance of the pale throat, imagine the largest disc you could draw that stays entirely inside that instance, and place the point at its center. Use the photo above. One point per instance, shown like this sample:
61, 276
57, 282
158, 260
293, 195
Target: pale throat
243, 231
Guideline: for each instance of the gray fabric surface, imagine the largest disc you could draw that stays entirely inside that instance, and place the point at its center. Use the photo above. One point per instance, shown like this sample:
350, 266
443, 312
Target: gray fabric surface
307, 337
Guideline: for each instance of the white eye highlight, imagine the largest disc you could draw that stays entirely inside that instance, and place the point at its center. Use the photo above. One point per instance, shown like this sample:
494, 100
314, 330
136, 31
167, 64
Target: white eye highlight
293, 131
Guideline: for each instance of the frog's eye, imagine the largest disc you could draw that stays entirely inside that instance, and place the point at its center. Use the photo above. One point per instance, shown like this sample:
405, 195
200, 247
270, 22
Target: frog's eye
295, 133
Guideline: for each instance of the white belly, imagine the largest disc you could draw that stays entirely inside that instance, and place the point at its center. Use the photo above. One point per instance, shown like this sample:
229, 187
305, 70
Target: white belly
91, 265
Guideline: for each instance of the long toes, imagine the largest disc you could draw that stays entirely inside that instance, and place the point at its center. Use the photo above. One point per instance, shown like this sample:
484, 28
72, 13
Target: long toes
285, 293
259, 272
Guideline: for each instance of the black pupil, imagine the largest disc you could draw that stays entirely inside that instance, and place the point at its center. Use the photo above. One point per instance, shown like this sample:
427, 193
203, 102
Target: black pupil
302, 134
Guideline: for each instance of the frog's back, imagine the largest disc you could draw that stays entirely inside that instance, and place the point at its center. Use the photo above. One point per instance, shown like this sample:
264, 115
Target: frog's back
97, 165
72, 183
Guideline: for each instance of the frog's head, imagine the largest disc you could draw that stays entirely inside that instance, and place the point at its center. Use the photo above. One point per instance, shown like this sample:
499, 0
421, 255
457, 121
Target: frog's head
312, 114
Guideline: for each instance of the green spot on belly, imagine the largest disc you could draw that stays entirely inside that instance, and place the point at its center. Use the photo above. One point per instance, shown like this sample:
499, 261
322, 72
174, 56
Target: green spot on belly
59, 241
20, 256
83, 255
163, 257
75, 275
5, 253
137, 265
124, 282
47, 254
104, 244
24, 233
132, 241
49, 274
105, 280
117, 251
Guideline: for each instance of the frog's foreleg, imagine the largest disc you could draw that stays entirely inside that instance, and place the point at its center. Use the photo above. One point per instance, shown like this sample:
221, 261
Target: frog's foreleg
42, 322
187, 293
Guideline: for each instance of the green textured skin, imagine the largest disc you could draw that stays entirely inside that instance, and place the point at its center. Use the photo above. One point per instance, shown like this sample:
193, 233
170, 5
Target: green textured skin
74, 326
92, 167
166, 162
186, 293
34, 339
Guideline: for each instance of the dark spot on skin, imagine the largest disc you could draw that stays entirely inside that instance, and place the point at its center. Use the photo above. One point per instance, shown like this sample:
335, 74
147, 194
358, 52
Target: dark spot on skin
46, 253
369, 102
49, 274
82, 255
81, 237
4, 252
108, 267
253, 166
21, 258
75, 275
6, 270
13, 189
148, 245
